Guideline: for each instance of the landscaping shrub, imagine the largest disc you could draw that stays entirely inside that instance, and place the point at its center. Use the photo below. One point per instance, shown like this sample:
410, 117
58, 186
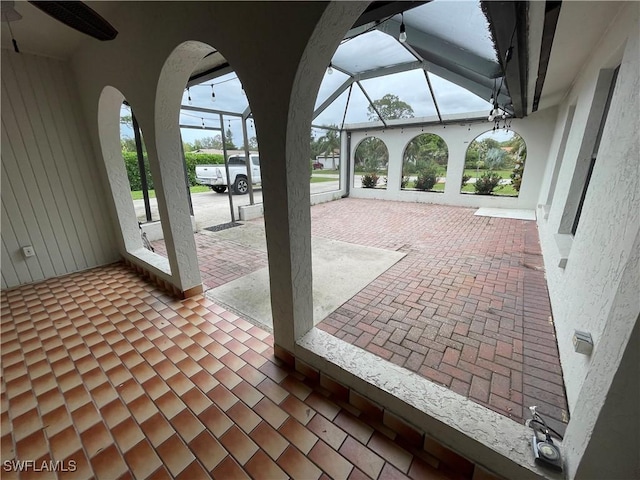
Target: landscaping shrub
131, 164
427, 177
487, 183
465, 179
404, 182
516, 175
191, 159
370, 180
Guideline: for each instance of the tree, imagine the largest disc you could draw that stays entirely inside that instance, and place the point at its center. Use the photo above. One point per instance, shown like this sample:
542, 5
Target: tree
519, 151
228, 140
372, 154
315, 147
128, 144
208, 142
126, 120
390, 107
253, 143
494, 158
329, 142
425, 149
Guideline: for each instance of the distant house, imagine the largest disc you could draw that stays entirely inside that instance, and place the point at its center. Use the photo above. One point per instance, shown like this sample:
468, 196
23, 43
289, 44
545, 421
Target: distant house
330, 161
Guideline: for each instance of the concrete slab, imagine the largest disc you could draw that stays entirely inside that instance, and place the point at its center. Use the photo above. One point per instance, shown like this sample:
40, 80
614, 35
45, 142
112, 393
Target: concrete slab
249, 234
506, 213
340, 270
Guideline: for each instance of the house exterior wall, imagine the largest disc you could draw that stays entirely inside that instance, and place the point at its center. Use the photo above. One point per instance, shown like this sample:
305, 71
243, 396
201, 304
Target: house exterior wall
52, 196
598, 289
582, 293
535, 130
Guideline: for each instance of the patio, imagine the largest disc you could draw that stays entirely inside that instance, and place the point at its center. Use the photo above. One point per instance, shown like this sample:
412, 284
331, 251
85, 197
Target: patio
467, 307
105, 376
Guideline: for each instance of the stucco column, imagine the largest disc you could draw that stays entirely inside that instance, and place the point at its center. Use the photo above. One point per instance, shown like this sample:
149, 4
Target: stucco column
282, 98
109, 124
455, 163
165, 159
395, 145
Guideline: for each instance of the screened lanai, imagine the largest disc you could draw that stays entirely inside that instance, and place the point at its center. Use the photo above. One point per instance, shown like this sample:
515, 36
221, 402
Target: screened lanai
438, 57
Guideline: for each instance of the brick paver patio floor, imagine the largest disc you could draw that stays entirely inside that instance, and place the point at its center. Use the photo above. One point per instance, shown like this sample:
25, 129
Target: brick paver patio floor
467, 307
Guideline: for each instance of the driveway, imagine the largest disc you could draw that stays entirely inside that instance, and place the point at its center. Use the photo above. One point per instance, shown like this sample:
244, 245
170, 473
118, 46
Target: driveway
212, 208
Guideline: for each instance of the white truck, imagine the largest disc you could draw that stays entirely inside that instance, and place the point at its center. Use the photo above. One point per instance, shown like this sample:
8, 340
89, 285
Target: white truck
215, 176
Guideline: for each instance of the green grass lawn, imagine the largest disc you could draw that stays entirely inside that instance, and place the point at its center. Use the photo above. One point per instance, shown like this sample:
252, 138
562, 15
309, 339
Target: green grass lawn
381, 173
506, 190
137, 194
472, 172
322, 179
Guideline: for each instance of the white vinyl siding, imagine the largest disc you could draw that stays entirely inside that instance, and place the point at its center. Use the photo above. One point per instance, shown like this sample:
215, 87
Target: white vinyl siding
52, 197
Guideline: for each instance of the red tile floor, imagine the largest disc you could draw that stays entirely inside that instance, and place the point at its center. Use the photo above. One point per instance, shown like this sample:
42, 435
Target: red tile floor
467, 307
110, 378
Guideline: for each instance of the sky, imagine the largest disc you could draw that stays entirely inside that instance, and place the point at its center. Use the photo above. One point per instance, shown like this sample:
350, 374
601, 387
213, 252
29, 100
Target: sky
371, 50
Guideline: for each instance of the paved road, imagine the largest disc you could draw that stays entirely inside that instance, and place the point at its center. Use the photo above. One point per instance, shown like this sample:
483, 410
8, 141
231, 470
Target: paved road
212, 208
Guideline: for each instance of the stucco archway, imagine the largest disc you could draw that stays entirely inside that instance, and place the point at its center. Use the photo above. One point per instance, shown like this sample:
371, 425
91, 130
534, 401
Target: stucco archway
167, 161
109, 106
282, 98
495, 152
425, 155
371, 156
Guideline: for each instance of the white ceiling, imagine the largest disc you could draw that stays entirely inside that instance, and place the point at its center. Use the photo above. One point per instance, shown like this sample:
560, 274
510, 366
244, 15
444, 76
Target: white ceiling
40, 34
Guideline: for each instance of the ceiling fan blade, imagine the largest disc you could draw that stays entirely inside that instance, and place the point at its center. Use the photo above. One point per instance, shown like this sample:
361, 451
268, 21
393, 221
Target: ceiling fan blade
79, 16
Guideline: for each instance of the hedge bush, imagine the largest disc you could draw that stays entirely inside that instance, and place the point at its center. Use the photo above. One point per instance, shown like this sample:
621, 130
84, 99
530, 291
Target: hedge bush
487, 183
427, 177
192, 159
370, 180
516, 175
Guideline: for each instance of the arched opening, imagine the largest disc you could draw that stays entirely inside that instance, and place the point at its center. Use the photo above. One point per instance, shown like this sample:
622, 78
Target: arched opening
494, 164
424, 164
116, 131
199, 127
371, 160
143, 195
216, 123
325, 159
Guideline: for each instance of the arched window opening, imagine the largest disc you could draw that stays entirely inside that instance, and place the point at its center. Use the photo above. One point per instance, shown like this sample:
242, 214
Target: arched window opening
371, 163
136, 162
424, 164
494, 164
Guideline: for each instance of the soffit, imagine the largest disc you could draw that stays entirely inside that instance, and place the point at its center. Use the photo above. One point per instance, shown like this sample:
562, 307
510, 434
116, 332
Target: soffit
580, 28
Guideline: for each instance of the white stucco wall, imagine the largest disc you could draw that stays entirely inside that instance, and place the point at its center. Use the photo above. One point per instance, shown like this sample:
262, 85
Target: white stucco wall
157, 49
585, 294
581, 294
599, 289
535, 129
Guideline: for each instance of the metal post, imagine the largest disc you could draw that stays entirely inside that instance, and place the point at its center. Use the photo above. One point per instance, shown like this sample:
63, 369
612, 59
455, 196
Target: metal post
249, 164
186, 176
143, 173
226, 167
347, 160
